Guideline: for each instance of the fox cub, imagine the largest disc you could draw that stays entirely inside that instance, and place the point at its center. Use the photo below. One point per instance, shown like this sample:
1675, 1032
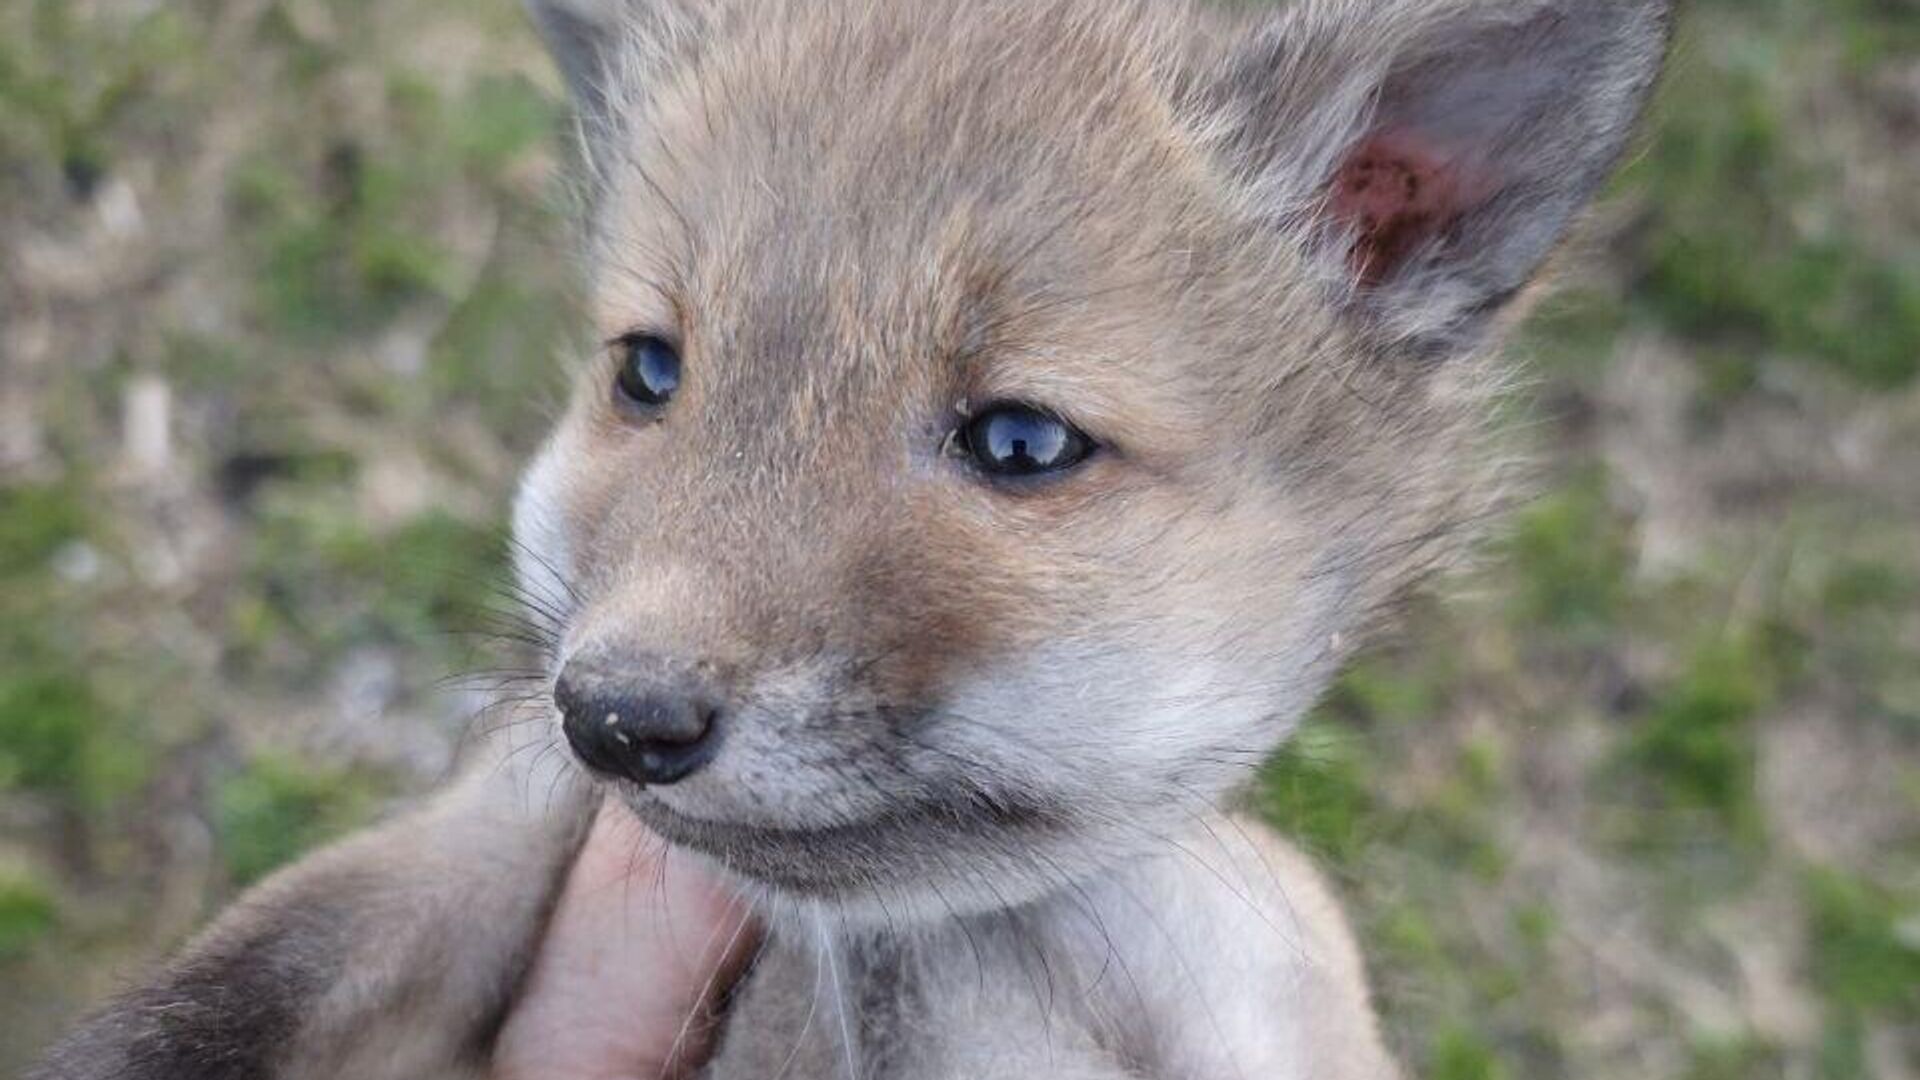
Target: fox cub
1011, 414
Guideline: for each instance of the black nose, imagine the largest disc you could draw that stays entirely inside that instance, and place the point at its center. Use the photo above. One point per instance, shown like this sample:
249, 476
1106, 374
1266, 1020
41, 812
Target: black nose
640, 719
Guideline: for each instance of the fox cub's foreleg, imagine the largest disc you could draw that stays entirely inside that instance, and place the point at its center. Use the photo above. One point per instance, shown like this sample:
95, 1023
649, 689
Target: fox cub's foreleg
392, 956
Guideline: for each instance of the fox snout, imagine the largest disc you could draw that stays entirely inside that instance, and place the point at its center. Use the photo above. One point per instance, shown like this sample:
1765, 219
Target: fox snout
646, 718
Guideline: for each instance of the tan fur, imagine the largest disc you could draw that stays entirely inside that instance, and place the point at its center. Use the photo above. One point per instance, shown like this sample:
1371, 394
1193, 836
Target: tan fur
976, 738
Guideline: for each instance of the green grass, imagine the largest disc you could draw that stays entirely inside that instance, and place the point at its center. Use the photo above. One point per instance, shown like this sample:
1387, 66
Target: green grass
1569, 554
277, 809
1865, 946
322, 581
1732, 1058
1694, 747
64, 85
335, 252
1462, 1055
1734, 254
29, 913
1316, 790
58, 738
344, 235
36, 521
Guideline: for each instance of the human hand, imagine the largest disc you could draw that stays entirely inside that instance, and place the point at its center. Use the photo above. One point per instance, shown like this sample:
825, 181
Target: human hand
640, 947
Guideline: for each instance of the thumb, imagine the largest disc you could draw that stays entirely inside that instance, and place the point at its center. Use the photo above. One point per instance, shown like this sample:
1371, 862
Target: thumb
641, 944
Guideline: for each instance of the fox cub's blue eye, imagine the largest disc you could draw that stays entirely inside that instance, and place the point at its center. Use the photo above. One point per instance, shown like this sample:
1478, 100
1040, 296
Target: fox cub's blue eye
649, 370
1020, 440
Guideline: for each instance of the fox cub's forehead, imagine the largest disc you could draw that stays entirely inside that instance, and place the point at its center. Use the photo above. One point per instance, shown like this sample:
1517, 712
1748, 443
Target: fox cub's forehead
898, 132
931, 204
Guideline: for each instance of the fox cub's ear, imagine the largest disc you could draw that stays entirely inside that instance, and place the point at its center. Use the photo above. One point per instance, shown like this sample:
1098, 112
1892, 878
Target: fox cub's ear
609, 50
583, 36
1433, 152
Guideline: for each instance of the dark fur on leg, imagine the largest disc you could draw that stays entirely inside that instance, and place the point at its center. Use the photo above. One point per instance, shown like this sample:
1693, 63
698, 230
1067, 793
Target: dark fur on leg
393, 956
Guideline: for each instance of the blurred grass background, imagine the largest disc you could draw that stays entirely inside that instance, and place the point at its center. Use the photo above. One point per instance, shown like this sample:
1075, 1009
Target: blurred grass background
282, 285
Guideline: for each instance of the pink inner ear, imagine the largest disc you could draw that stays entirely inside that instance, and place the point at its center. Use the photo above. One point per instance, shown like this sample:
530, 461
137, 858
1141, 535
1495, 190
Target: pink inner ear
1395, 193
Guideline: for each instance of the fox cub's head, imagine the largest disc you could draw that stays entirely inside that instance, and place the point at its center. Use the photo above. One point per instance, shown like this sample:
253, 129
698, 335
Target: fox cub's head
1010, 411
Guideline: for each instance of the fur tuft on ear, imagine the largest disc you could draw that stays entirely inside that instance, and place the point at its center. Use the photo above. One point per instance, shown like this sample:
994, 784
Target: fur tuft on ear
1432, 153
583, 36
611, 51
